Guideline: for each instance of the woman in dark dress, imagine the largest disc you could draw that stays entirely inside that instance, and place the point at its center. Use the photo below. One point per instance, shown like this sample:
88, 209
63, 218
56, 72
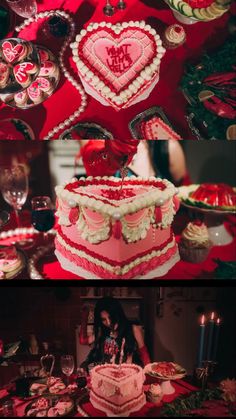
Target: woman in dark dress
115, 338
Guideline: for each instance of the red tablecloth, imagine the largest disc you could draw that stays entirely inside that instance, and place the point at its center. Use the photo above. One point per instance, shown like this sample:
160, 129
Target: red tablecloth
50, 268
200, 37
149, 409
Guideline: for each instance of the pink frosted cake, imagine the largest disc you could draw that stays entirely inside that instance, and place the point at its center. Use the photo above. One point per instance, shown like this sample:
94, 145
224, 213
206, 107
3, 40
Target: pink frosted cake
117, 390
118, 64
105, 232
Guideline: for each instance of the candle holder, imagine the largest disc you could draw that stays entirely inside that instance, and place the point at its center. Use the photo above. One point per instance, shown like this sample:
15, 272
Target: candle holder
203, 373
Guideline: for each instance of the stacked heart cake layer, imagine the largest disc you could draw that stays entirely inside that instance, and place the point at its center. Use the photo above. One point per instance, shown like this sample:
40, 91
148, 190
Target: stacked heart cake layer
118, 64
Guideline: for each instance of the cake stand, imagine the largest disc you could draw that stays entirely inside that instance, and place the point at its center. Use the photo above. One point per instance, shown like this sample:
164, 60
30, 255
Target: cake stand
182, 18
165, 384
213, 218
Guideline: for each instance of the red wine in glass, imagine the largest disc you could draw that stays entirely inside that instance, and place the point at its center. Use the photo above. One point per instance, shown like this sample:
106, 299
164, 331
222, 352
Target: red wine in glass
43, 219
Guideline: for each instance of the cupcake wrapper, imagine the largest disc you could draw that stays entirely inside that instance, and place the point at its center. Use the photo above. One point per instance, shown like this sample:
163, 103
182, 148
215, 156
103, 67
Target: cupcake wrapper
194, 255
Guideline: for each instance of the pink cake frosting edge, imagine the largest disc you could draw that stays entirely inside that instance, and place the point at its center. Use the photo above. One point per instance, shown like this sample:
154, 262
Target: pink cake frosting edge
141, 269
133, 405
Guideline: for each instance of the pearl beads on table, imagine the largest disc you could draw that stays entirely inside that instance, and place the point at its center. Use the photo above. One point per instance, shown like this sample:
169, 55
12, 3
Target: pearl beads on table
64, 70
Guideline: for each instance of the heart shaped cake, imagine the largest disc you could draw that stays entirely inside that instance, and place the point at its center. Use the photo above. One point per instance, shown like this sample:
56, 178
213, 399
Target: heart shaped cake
118, 64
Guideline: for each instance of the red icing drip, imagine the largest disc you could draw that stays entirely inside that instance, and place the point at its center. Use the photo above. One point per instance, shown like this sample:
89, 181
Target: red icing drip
117, 230
117, 194
158, 215
72, 187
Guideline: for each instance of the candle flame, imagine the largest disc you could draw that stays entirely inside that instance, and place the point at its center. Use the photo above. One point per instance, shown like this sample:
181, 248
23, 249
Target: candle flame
212, 315
218, 321
203, 319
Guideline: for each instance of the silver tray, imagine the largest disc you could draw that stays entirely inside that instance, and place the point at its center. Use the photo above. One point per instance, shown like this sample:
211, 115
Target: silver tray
134, 125
86, 130
10, 98
32, 56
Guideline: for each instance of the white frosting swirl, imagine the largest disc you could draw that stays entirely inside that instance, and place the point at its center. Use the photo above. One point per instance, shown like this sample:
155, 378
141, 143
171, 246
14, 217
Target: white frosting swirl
196, 233
173, 35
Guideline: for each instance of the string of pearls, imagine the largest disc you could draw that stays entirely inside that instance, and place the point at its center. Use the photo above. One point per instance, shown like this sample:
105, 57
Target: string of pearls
64, 70
79, 408
32, 270
17, 232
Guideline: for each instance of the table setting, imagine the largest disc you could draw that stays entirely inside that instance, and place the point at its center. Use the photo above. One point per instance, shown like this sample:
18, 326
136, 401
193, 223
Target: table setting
59, 30
67, 393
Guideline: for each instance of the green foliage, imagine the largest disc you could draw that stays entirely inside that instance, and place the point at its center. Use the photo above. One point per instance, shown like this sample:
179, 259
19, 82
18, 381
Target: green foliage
220, 61
225, 270
182, 406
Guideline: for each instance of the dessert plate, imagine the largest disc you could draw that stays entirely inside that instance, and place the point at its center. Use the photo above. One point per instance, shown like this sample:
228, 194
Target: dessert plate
15, 129
213, 218
86, 130
16, 272
152, 124
165, 370
19, 65
50, 406
41, 88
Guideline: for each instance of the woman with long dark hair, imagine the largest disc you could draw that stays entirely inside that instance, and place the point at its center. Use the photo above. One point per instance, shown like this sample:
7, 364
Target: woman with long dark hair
115, 338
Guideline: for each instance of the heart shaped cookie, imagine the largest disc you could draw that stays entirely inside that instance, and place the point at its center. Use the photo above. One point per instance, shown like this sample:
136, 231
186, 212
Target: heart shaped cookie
23, 71
4, 74
13, 52
37, 89
118, 64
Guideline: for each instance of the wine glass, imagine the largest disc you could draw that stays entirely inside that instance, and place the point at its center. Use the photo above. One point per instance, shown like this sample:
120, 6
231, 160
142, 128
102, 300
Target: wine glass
81, 378
24, 8
42, 218
67, 365
14, 186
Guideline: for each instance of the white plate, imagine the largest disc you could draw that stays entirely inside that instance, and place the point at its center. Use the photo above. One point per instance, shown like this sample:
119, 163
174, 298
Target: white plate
148, 370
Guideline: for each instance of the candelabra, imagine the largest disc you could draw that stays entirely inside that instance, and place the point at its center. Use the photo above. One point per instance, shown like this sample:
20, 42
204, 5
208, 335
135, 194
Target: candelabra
203, 373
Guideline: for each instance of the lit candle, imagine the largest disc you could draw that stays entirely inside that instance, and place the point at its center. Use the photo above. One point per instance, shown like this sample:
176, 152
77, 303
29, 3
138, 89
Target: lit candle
210, 336
201, 341
216, 339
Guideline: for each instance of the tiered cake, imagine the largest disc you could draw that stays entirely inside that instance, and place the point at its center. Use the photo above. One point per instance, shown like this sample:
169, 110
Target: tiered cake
107, 229
118, 64
117, 389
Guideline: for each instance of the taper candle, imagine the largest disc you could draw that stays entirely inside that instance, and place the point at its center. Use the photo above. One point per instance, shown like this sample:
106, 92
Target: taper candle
201, 341
216, 339
210, 336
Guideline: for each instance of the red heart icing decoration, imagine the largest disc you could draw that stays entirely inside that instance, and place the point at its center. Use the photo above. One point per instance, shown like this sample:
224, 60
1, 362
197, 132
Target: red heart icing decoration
37, 87
47, 68
118, 64
12, 53
22, 71
44, 56
74, 215
117, 58
4, 74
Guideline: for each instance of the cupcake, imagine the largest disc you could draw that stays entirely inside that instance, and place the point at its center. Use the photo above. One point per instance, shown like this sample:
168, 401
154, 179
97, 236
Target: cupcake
174, 36
154, 394
195, 244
